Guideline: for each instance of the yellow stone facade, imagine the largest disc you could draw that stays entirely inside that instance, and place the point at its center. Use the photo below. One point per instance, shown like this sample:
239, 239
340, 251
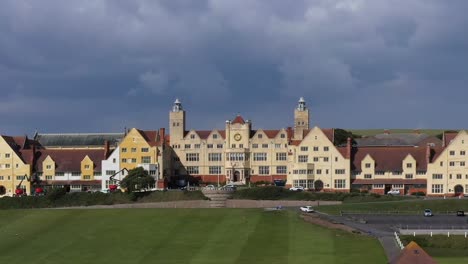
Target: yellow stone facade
12, 170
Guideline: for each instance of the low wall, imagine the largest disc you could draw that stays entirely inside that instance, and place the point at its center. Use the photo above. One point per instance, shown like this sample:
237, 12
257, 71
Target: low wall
445, 232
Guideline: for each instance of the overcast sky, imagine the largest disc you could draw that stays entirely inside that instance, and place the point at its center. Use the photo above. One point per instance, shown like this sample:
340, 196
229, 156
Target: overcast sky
100, 66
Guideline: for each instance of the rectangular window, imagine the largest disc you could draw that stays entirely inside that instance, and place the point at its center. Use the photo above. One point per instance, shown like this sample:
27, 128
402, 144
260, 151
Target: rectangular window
215, 157
398, 186
281, 169
437, 188
236, 156
264, 145
214, 170
7, 166
303, 158
192, 157
110, 172
437, 176
87, 177
340, 184
133, 149
209, 146
459, 176
452, 163
281, 156
97, 173
325, 149
441, 163
220, 146
367, 176
152, 172
124, 150
60, 174
187, 146
192, 170
192, 136
409, 176
380, 173
48, 177
144, 149
254, 145
452, 153
197, 146
7, 155
462, 163
124, 160
233, 145
304, 148
319, 171
263, 170
76, 173
368, 165
377, 186
339, 171
146, 159
215, 136
316, 159
462, 153
86, 166
277, 146
316, 148
409, 165
325, 159
241, 145
259, 156
134, 160
19, 178
1, 178
48, 167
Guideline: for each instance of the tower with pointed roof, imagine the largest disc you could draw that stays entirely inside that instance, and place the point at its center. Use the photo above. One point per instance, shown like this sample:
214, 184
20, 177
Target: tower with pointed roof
301, 119
177, 121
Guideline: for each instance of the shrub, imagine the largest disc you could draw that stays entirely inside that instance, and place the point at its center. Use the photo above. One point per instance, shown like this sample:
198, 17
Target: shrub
418, 193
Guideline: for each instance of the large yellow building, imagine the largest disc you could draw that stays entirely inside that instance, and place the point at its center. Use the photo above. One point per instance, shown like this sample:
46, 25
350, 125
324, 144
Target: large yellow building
239, 154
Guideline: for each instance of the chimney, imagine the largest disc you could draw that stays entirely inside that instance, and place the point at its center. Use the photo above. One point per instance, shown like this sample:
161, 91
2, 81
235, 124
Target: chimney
162, 135
106, 149
428, 153
290, 132
348, 148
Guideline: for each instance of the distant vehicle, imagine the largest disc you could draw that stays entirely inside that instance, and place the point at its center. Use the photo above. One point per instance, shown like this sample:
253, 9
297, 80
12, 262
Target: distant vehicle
428, 212
307, 209
230, 187
210, 187
393, 192
460, 213
297, 188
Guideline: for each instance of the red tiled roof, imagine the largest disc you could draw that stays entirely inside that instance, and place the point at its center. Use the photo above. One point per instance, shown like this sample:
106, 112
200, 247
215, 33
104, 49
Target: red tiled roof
271, 133
238, 120
389, 181
448, 137
68, 160
342, 151
222, 133
413, 254
203, 134
389, 158
151, 136
330, 133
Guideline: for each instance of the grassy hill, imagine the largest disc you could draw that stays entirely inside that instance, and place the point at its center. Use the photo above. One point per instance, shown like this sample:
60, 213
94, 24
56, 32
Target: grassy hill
373, 132
176, 236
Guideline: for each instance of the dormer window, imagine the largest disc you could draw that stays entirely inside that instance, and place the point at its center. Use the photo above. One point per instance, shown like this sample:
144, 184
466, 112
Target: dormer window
409, 165
368, 165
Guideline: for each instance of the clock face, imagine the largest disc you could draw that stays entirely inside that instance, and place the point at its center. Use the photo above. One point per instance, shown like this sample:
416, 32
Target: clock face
237, 137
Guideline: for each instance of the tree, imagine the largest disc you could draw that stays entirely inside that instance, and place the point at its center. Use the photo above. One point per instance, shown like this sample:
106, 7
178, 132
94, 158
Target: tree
341, 137
137, 179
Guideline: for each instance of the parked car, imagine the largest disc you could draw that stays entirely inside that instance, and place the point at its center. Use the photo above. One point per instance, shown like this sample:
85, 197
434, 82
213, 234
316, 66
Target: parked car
393, 192
460, 213
210, 187
428, 212
296, 188
307, 209
230, 187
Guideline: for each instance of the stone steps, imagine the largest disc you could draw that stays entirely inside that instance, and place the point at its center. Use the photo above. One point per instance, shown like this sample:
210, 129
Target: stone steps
218, 197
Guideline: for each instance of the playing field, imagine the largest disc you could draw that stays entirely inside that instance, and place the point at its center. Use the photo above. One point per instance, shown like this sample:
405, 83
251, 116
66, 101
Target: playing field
176, 236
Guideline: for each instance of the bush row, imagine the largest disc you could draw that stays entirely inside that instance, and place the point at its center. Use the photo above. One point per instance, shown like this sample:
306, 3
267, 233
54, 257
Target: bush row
60, 198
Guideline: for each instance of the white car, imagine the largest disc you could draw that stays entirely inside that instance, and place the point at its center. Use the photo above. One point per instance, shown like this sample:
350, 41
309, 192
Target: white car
297, 188
307, 209
393, 192
210, 187
428, 212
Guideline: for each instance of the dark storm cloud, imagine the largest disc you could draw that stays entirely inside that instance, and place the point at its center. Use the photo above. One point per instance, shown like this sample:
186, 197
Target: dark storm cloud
101, 65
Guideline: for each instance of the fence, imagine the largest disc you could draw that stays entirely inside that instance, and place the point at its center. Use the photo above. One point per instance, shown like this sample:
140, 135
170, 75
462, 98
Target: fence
420, 212
432, 232
397, 238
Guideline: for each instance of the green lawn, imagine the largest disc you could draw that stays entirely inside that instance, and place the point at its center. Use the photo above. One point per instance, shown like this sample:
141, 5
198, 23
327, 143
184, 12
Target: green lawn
176, 236
406, 206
